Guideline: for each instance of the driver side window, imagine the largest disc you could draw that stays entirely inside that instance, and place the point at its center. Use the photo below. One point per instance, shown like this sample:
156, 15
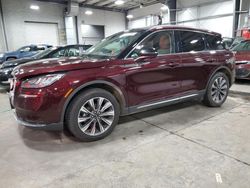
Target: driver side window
162, 42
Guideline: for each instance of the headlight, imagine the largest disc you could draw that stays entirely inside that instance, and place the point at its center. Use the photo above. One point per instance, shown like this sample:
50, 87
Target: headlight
1, 55
41, 81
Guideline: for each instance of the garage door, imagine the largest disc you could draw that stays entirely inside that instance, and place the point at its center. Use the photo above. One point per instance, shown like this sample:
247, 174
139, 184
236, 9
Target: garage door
41, 33
92, 34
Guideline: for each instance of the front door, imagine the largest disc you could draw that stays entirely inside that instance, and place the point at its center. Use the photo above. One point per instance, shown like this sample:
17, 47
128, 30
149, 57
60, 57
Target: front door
153, 79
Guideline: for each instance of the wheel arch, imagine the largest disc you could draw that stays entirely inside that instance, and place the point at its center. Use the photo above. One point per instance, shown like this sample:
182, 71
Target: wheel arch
106, 85
226, 71
12, 56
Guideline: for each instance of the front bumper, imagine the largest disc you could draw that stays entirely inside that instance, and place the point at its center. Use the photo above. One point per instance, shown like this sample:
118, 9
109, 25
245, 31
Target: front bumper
38, 108
46, 127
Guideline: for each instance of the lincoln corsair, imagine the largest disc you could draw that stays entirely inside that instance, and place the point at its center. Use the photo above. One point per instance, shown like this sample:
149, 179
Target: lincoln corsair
126, 73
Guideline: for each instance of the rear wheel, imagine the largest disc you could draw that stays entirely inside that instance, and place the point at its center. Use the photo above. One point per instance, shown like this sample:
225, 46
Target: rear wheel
217, 90
92, 115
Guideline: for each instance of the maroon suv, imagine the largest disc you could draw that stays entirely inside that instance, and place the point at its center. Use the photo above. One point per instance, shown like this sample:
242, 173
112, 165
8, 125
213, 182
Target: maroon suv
128, 72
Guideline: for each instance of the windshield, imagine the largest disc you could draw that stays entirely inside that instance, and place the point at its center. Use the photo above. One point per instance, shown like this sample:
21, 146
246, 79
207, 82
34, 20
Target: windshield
243, 46
113, 45
25, 49
44, 53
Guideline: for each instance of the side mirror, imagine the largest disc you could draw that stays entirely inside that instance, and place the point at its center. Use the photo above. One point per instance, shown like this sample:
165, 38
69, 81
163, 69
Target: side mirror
148, 52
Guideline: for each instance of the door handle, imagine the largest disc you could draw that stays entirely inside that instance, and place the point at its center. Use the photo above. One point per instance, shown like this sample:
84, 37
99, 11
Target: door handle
211, 60
172, 64
144, 63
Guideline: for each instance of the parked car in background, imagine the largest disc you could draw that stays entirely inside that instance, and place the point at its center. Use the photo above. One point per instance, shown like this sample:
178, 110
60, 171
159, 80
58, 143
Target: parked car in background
86, 46
242, 56
236, 41
227, 42
126, 73
54, 52
26, 51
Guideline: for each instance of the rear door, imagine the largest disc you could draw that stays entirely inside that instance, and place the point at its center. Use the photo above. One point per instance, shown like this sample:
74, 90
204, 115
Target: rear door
196, 61
218, 50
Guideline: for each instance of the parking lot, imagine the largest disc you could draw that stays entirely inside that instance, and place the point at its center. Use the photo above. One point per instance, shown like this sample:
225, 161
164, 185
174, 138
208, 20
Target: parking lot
186, 145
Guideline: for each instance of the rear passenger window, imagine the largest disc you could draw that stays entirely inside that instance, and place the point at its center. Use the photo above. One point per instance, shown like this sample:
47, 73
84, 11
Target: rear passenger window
191, 41
214, 42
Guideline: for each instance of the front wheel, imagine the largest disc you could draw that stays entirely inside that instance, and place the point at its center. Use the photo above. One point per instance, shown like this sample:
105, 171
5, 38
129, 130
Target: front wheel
92, 115
217, 91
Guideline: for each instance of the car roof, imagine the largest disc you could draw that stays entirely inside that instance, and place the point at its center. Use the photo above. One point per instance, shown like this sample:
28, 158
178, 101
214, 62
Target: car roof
38, 45
162, 27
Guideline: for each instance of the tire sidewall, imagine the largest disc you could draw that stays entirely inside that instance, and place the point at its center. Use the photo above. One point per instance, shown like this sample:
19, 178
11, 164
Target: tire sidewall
78, 102
209, 90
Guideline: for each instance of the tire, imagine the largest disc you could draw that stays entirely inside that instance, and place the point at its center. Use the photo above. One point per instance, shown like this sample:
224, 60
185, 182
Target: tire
217, 90
82, 120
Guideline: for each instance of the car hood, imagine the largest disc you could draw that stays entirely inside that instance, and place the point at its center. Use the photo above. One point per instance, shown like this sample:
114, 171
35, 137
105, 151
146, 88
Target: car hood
16, 62
56, 65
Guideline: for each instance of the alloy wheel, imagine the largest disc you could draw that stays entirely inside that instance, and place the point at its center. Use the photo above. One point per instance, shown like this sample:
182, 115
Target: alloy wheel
96, 116
219, 89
